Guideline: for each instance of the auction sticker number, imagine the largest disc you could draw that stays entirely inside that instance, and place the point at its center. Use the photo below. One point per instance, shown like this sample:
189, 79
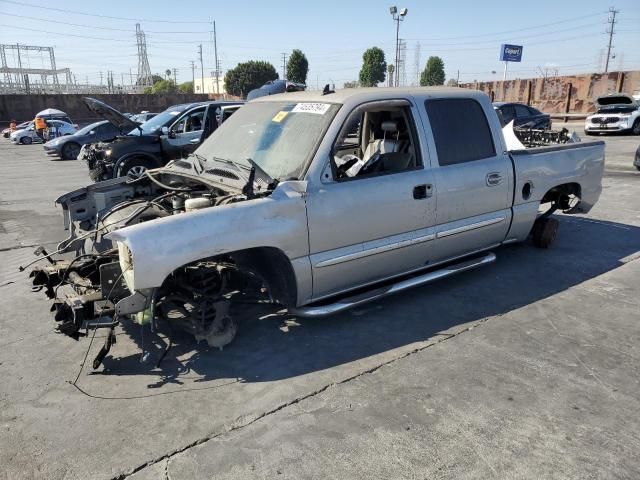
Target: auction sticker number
317, 108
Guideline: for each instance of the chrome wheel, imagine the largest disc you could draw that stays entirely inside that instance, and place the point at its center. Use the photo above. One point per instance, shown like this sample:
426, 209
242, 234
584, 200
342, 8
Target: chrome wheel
136, 171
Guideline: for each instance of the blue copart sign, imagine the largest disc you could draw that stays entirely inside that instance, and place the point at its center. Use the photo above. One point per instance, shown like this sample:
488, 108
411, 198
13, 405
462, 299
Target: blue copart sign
510, 53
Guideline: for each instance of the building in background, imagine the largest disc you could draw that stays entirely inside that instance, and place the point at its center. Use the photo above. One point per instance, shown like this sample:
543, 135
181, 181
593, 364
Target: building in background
209, 85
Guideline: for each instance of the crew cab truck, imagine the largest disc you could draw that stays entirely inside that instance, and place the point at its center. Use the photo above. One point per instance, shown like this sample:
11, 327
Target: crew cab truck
323, 202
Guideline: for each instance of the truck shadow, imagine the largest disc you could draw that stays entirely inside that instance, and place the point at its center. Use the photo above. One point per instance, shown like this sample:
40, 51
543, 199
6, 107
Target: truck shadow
272, 346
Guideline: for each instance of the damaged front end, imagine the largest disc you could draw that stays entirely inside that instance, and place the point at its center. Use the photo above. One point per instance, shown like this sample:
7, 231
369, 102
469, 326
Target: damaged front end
94, 287
99, 161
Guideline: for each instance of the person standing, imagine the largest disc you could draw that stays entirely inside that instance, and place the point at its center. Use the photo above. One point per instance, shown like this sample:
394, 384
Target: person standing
40, 125
13, 125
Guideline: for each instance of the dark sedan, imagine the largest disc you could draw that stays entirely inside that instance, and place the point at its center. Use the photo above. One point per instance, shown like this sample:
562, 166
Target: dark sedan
522, 115
68, 147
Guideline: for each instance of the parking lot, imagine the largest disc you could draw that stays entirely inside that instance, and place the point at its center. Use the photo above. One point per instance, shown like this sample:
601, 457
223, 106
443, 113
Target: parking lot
526, 368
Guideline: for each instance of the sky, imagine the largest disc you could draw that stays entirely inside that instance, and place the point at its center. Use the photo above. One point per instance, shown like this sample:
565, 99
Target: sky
567, 36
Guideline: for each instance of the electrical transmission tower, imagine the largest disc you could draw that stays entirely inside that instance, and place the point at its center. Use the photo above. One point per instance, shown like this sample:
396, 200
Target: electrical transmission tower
416, 64
284, 66
402, 63
612, 22
144, 71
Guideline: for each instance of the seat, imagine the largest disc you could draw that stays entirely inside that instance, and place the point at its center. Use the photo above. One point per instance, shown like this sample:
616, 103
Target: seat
383, 145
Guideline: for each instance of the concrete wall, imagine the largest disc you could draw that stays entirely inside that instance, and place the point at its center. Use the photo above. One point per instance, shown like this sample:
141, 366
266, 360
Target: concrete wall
24, 107
575, 94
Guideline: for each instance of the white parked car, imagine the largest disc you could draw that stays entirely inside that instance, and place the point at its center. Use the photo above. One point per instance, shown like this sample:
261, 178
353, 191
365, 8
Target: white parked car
617, 112
56, 128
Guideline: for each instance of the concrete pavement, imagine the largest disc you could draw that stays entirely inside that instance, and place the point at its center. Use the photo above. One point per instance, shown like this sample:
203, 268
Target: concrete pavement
524, 369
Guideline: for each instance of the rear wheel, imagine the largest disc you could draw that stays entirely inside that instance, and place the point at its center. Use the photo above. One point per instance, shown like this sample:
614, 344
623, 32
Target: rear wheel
134, 167
544, 232
26, 140
70, 151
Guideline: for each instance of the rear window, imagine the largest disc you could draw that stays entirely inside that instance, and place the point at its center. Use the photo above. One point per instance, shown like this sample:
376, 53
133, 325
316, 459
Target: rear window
460, 130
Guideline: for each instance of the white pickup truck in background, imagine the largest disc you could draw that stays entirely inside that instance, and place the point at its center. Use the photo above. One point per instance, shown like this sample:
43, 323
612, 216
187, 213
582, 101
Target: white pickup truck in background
318, 202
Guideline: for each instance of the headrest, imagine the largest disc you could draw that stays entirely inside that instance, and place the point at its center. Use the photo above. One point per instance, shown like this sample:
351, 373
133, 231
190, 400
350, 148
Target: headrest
389, 126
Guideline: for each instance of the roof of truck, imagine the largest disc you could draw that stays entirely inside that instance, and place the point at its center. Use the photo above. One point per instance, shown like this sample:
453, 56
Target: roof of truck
369, 94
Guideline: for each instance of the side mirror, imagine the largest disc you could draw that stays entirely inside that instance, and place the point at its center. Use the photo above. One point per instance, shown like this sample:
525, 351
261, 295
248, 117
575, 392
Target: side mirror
92, 132
165, 130
194, 141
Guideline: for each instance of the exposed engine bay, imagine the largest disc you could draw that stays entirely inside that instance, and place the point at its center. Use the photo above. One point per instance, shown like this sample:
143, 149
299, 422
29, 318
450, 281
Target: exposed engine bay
92, 290
97, 156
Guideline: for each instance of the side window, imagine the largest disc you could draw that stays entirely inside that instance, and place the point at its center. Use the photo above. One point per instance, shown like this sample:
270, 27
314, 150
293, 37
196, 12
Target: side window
190, 122
508, 113
522, 111
460, 130
375, 141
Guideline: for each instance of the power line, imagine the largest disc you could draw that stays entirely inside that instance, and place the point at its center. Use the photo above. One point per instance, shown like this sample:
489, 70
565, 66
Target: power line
98, 27
75, 12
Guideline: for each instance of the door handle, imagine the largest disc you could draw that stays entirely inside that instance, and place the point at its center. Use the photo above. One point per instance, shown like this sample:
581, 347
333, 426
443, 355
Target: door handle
422, 191
493, 179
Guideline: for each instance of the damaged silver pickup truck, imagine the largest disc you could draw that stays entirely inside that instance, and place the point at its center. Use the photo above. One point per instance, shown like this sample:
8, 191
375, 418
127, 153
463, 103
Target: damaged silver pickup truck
316, 202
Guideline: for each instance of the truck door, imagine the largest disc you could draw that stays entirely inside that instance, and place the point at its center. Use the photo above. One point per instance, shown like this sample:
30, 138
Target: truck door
473, 176
184, 134
379, 222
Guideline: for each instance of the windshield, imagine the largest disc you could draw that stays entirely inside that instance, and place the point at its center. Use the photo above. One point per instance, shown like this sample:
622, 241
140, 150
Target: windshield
278, 136
88, 128
157, 122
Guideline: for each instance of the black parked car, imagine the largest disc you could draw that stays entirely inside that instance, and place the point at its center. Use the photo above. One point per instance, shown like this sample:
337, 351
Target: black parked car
68, 147
275, 86
172, 134
522, 115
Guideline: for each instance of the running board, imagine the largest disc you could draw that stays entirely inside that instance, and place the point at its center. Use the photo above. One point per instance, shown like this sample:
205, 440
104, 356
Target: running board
376, 293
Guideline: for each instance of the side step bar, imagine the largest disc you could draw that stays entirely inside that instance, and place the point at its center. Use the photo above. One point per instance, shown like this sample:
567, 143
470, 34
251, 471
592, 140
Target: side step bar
370, 295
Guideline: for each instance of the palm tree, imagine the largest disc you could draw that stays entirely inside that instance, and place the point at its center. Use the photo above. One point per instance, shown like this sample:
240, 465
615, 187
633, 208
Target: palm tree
167, 72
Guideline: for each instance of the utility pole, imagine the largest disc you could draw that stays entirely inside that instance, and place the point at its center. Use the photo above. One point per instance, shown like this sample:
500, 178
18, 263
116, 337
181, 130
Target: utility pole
100, 78
611, 21
175, 76
193, 75
397, 17
215, 53
201, 66
284, 66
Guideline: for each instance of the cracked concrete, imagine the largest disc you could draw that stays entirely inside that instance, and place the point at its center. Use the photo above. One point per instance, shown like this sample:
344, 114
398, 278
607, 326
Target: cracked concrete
392, 390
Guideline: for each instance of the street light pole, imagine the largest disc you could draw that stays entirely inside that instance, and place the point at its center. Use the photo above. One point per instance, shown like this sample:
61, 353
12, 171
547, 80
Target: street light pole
397, 17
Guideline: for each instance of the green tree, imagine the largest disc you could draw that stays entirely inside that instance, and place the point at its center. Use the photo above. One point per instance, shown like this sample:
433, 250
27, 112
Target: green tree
452, 82
167, 72
297, 67
247, 76
374, 67
433, 73
162, 87
186, 87
390, 70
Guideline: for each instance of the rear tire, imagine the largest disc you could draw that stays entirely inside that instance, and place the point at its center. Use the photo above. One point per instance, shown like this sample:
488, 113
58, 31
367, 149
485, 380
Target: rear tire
544, 232
134, 167
26, 140
70, 151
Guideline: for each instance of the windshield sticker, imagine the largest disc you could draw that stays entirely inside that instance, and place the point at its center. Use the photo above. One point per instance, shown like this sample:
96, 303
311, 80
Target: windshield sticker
279, 117
317, 108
